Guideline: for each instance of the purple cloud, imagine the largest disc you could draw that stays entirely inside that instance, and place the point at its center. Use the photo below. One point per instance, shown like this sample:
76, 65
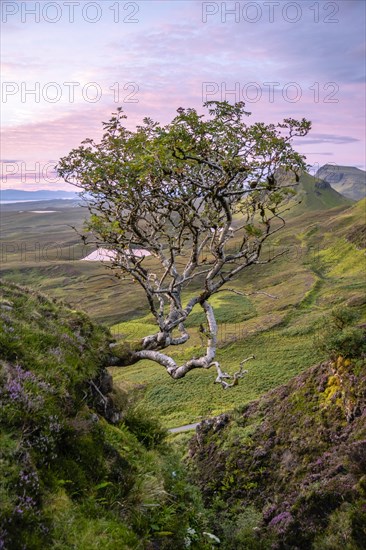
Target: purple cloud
315, 66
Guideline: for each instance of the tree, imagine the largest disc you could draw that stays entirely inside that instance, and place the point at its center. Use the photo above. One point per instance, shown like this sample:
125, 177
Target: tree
182, 192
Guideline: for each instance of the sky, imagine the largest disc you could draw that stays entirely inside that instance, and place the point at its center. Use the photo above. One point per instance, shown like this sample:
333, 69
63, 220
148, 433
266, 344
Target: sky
67, 66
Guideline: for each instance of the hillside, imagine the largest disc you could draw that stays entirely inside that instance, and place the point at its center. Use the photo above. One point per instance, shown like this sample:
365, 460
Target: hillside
43, 250
317, 194
324, 266
289, 471
81, 467
347, 180
80, 452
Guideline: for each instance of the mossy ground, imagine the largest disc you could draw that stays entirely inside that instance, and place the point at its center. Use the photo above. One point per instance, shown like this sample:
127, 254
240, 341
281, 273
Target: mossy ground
289, 470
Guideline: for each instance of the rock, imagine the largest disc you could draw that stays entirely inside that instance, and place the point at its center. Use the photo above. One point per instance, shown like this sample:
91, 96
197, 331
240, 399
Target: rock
105, 382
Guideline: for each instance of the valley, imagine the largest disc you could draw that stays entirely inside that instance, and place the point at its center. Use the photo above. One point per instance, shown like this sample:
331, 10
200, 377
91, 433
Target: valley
277, 320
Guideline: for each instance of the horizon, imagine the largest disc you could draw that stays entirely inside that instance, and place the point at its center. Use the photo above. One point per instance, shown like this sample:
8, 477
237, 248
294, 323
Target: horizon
284, 59
72, 189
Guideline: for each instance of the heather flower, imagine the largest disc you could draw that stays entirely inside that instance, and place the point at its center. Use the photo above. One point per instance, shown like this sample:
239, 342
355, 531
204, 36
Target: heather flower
15, 389
67, 339
4, 317
45, 386
20, 388
56, 352
28, 493
269, 512
54, 424
280, 518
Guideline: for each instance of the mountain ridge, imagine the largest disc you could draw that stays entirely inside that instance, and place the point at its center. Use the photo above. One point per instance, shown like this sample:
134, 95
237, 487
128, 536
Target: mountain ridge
347, 180
317, 194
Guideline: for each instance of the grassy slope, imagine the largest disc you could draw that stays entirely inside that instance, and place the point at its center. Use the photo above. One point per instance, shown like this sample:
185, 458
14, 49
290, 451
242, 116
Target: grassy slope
315, 196
68, 478
321, 269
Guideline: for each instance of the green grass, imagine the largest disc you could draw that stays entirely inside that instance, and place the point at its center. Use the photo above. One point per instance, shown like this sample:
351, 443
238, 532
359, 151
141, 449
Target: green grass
317, 198
279, 356
344, 259
319, 269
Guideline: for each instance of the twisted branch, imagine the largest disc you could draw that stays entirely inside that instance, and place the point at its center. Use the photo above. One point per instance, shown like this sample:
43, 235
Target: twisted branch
235, 377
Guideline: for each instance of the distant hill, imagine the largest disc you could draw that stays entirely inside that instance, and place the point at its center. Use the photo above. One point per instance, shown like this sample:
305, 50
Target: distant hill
318, 194
347, 180
313, 193
41, 194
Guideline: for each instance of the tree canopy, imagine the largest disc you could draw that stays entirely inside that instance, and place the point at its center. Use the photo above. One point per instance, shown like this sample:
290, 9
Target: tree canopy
184, 192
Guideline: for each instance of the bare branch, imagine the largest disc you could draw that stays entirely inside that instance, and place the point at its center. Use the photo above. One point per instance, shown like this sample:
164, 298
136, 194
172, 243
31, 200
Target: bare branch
235, 377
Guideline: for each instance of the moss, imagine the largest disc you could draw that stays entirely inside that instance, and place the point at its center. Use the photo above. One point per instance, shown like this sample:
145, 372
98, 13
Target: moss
333, 387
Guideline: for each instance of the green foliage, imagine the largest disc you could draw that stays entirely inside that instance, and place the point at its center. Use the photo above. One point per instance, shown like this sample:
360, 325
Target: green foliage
342, 317
241, 530
144, 425
337, 336
349, 342
346, 529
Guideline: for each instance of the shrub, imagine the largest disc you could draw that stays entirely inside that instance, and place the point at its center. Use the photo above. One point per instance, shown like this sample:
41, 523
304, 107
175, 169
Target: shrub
338, 335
